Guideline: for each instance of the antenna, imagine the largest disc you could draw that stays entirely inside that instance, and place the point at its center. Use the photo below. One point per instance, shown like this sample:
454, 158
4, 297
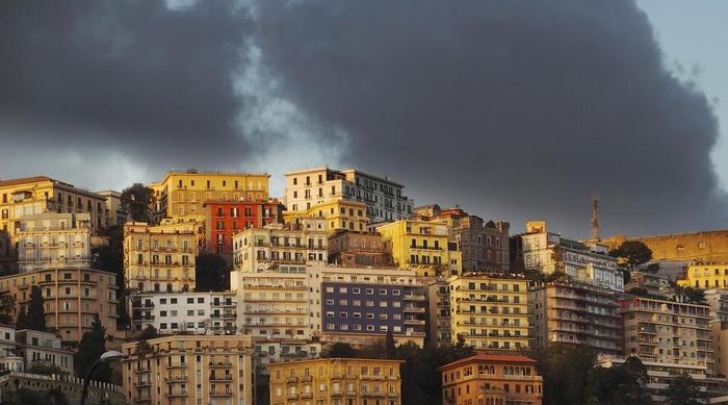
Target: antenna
594, 233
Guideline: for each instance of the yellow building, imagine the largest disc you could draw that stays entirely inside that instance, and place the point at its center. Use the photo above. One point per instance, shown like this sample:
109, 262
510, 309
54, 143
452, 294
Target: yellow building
491, 380
705, 275
23, 197
180, 195
158, 260
54, 241
190, 369
336, 381
423, 246
489, 313
339, 215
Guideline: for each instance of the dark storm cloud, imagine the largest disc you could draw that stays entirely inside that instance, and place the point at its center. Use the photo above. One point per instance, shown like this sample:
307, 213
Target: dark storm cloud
130, 75
516, 109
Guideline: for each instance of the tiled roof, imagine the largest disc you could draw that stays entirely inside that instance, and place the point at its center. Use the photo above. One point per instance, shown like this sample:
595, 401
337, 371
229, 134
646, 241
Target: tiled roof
489, 358
24, 180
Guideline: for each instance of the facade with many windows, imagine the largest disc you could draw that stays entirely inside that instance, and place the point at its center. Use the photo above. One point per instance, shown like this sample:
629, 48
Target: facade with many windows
50, 241
189, 312
226, 218
705, 275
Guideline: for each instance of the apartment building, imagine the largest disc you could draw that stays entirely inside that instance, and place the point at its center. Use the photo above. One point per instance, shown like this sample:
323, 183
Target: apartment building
54, 241
654, 284
574, 312
115, 214
383, 197
258, 249
23, 197
276, 350
423, 246
336, 381
548, 252
71, 298
185, 312
352, 249
223, 219
190, 369
42, 349
491, 379
489, 313
668, 331
705, 275
339, 215
180, 195
156, 260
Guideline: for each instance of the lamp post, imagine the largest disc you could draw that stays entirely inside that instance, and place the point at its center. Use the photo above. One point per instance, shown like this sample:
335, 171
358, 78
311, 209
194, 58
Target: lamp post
107, 357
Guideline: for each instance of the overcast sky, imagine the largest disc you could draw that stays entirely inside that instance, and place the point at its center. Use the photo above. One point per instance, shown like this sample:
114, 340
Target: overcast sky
513, 110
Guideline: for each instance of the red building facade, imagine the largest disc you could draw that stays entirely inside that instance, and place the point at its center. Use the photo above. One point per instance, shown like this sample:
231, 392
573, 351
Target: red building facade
226, 218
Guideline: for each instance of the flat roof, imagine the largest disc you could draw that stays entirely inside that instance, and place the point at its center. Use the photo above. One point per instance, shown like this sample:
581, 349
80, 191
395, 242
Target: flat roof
490, 358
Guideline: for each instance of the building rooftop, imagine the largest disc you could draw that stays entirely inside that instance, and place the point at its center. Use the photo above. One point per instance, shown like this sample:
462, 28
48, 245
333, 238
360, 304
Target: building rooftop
489, 358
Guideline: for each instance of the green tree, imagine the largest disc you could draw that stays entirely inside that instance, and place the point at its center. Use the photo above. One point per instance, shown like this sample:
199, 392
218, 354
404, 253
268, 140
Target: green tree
340, 350
211, 273
36, 319
632, 253
390, 346
7, 307
683, 391
45, 368
632, 386
91, 347
692, 295
565, 369
137, 201
110, 258
22, 321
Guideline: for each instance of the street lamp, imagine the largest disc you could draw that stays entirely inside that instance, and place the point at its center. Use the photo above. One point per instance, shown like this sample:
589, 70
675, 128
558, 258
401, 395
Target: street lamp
107, 357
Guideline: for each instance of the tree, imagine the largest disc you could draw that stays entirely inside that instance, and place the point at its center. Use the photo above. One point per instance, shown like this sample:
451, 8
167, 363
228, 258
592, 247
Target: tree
691, 295
632, 253
137, 201
683, 391
565, 369
7, 307
92, 346
211, 273
632, 388
36, 311
340, 350
110, 257
45, 368
390, 347
22, 321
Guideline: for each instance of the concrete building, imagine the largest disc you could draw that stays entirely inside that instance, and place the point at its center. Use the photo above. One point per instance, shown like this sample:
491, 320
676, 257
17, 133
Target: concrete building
484, 246
336, 381
352, 249
486, 379
43, 349
339, 215
705, 275
668, 331
10, 360
579, 313
489, 313
211, 313
258, 249
71, 298
548, 252
180, 195
115, 214
20, 198
226, 218
383, 197
423, 246
157, 260
190, 369
270, 351
54, 241
654, 284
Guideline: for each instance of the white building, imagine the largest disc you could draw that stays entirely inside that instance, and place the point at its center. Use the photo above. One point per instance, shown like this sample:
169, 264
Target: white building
54, 241
115, 215
383, 197
43, 348
191, 312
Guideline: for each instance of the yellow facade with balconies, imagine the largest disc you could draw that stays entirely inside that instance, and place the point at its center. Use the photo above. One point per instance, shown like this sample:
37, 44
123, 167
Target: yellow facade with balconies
422, 246
180, 195
336, 381
705, 275
339, 215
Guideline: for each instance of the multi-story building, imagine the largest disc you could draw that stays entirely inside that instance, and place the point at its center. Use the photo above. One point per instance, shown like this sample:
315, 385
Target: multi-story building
336, 381
484, 246
491, 379
339, 215
578, 313
352, 249
42, 349
226, 218
23, 197
158, 260
654, 284
705, 275
488, 313
190, 369
668, 331
383, 197
115, 214
423, 246
54, 241
180, 195
269, 351
438, 301
258, 249
71, 298
548, 252
188, 312
8, 256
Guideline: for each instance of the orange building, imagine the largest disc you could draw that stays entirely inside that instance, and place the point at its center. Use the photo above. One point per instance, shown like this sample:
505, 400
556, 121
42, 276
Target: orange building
486, 379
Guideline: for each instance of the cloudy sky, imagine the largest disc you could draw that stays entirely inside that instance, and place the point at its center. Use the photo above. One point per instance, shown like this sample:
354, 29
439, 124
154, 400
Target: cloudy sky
514, 110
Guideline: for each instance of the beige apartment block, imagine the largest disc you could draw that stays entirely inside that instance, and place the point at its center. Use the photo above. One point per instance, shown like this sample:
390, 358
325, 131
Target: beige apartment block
43, 349
336, 381
20, 198
115, 215
339, 215
71, 298
190, 369
54, 241
159, 260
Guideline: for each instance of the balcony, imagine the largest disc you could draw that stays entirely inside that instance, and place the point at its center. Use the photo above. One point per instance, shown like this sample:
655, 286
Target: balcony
220, 364
414, 297
291, 380
225, 393
414, 322
226, 377
179, 394
417, 310
175, 379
